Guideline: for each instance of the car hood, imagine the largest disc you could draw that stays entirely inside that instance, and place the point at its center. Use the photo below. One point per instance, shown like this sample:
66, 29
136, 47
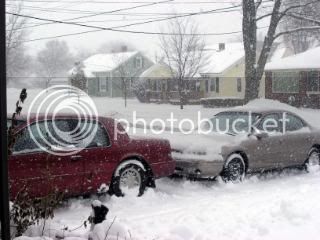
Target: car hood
199, 146
202, 146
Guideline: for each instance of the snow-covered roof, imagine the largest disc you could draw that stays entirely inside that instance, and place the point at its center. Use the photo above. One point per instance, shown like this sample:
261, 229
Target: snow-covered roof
157, 70
104, 62
220, 60
309, 59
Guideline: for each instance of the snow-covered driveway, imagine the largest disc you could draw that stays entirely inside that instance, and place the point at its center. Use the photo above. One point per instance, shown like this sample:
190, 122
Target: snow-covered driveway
277, 206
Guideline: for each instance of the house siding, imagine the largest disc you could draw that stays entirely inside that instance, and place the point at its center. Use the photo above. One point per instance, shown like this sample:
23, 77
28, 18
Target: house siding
115, 81
299, 99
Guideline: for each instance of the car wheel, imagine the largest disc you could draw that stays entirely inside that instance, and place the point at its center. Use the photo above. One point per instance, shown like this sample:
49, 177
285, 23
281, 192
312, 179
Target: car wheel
313, 162
130, 180
234, 169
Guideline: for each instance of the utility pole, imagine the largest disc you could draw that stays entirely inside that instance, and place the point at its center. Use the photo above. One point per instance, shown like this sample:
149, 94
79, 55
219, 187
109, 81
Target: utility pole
4, 189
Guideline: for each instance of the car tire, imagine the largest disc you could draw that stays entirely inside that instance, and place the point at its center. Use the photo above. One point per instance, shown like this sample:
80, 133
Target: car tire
313, 161
234, 169
130, 176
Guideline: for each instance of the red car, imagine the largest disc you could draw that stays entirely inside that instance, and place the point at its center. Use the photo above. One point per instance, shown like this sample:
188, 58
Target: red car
120, 163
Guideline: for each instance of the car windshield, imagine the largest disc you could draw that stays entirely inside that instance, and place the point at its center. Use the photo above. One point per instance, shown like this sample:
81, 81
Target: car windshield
233, 123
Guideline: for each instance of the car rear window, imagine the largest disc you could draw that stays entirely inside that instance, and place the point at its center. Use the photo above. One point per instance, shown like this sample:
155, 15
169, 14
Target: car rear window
19, 122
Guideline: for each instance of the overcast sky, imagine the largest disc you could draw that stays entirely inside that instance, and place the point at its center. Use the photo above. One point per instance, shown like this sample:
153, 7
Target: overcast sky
215, 22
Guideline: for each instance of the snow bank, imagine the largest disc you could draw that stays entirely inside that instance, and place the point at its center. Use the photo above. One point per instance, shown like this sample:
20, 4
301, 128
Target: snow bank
109, 230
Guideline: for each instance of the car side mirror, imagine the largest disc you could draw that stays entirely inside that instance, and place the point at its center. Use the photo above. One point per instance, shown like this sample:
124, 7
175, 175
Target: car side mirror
258, 134
261, 135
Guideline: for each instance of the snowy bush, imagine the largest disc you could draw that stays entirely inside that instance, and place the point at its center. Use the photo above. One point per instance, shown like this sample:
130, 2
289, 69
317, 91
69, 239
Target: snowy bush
26, 211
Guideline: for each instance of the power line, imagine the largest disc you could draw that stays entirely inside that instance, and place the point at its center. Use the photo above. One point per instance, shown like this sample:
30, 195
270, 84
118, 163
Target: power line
108, 20
74, 11
133, 24
127, 2
101, 13
135, 32
221, 10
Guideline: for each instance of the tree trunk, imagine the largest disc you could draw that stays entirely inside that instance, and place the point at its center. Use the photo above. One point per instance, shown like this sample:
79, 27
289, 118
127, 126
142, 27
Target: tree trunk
125, 96
249, 28
180, 93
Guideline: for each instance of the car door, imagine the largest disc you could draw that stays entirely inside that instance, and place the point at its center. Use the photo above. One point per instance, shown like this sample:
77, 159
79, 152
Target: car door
66, 171
267, 152
28, 165
101, 157
297, 139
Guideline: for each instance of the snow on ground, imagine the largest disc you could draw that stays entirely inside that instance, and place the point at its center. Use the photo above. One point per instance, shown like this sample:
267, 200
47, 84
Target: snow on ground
270, 207
114, 107
275, 206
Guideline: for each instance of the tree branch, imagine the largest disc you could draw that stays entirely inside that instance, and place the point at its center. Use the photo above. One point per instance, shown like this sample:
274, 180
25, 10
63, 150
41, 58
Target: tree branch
312, 28
284, 12
314, 21
258, 4
264, 16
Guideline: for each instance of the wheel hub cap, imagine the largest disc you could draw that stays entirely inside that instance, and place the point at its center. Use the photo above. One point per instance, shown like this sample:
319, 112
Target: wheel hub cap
314, 159
130, 178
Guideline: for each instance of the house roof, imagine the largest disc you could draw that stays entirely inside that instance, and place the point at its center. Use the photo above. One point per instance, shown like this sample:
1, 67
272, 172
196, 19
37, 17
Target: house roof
104, 62
220, 61
309, 59
158, 70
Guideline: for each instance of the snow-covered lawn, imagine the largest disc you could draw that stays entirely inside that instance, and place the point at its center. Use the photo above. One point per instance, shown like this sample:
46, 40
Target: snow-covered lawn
272, 207
269, 207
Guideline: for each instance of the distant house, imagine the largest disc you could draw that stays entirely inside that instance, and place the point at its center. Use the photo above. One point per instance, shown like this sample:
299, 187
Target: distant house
295, 80
106, 73
162, 86
224, 73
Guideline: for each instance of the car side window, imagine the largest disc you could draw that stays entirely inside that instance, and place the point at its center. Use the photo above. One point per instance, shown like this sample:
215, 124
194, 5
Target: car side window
270, 123
293, 123
59, 130
100, 139
24, 141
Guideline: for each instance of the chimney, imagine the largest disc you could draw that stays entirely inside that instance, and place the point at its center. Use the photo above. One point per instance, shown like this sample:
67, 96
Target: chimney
222, 46
124, 48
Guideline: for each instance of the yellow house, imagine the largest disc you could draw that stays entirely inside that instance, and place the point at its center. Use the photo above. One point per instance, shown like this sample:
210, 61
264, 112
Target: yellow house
223, 73
221, 77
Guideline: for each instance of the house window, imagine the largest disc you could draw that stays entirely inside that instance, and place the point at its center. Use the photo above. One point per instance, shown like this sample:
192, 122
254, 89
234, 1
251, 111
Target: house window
103, 84
207, 85
285, 82
138, 62
154, 88
239, 85
313, 82
212, 85
217, 85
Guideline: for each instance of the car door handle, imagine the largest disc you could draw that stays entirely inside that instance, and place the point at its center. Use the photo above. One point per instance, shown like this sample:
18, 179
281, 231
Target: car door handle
75, 157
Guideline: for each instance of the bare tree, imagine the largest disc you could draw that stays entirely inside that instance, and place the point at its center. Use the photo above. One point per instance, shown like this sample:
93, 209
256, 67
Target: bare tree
77, 77
254, 65
17, 59
54, 60
302, 40
123, 73
183, 51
